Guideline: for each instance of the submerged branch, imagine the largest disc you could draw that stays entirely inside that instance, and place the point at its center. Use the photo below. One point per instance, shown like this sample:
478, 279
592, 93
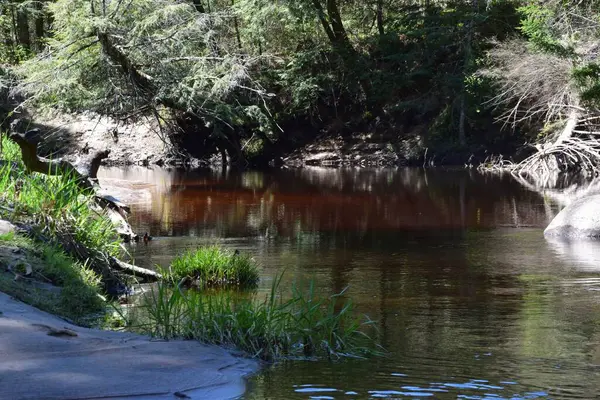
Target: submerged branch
130, 269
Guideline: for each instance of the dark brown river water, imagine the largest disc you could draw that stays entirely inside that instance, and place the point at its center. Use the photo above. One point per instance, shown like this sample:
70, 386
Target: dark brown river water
471, 301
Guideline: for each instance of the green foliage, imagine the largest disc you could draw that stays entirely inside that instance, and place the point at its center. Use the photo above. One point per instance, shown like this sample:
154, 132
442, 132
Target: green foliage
80, 294
174, 47
587, 79
214, 266
271, 329
10, 150
537, 24
237, 71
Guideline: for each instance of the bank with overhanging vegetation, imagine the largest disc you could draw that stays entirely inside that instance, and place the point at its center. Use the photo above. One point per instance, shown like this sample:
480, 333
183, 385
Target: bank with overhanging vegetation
253, 80
55, 217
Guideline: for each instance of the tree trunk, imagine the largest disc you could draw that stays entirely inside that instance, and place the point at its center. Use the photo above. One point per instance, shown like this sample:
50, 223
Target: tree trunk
380, 27
324, 22
333, 25
85, 171
334, 28
337, 25
13, 18
237, 28
223, 155
234, 149
39, 25
567, 132
199, 6
6, 32
462, 136
117, 56
23, 28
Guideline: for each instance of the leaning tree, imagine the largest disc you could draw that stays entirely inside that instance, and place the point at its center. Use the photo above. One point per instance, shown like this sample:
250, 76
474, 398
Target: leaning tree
172, 60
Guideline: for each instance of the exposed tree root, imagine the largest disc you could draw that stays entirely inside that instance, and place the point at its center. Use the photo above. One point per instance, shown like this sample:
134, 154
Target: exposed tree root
84, 170
575, 149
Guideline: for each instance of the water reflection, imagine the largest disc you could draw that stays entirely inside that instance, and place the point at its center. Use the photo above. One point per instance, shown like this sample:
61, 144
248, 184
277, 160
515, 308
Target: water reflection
470, 300
292, 203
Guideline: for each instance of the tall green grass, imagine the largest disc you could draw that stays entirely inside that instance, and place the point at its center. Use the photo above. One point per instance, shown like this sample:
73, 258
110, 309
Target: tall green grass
214, 266
56, 205
10, 150
304, 325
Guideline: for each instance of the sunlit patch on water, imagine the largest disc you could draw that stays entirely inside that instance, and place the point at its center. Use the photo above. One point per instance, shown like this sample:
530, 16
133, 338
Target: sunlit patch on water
392, 393
474, 389
311, 389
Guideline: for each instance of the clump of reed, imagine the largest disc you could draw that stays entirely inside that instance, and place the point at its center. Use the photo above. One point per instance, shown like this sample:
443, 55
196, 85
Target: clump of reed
213, 266
273, 328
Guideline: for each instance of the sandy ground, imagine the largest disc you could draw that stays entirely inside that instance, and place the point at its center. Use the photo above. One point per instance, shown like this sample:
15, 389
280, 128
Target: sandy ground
130, 143
44, 357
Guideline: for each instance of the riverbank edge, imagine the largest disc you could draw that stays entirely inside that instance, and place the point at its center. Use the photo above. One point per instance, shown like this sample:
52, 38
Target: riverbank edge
20, 318
143, 142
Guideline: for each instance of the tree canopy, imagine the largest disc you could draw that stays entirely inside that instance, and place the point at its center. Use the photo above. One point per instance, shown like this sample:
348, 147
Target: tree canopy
252, 78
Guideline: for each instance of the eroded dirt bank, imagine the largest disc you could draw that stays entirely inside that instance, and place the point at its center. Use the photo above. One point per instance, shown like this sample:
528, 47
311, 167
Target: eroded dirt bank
130, 143
143, 143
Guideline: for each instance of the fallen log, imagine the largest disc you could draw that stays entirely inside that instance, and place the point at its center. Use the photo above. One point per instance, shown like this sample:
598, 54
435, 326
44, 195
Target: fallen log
85, 169
103, 265
134, 270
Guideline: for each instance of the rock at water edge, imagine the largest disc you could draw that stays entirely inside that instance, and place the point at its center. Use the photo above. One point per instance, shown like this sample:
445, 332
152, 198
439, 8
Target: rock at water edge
580, 219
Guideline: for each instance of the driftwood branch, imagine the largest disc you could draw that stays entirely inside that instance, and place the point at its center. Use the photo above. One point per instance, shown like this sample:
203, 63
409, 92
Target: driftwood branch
129, 269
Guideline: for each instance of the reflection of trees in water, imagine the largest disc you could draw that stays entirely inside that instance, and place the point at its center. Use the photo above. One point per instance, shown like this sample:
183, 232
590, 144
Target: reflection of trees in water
293, 203
564, 189
296, 202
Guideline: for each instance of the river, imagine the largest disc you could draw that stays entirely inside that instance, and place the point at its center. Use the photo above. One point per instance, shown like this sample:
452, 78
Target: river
470, 300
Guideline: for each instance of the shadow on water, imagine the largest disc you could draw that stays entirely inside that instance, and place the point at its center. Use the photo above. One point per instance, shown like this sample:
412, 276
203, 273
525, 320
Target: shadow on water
471, 301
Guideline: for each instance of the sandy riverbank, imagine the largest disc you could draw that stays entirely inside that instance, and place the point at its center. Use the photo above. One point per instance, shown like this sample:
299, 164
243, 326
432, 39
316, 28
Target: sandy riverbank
44, 357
